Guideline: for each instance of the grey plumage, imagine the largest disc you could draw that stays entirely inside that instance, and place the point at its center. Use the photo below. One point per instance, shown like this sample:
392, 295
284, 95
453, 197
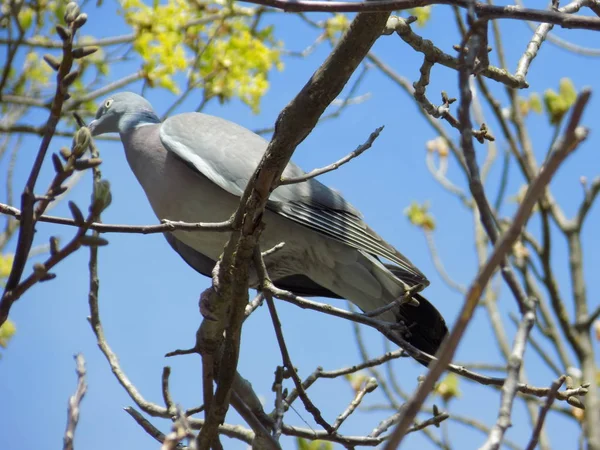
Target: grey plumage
194, 167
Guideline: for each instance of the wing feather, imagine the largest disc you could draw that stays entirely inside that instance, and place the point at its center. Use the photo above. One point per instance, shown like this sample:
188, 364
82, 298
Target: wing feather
350, 230
228, 154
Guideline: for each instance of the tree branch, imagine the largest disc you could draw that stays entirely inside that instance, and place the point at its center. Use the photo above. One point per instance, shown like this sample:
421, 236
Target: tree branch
509, 390
544, 411
167, 225
74, 403
573, 136
483, 11
293, 125
28, 199
316, 172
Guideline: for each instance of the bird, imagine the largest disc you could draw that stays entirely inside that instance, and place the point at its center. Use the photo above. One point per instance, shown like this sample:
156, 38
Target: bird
194, 167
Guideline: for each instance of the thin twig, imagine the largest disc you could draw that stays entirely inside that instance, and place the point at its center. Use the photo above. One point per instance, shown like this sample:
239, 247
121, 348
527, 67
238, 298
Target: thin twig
383, 327
573, 136
28, 198
316, 172
230, 283
74, 403
540, 34
484, 11
145, 424
538, 348
544, 411
166, 393
291, 371
591, 193
165, 226
509, 390
369, 386
279, 410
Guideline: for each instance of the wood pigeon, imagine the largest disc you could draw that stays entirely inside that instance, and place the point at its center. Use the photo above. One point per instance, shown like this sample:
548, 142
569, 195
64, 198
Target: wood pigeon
194, 167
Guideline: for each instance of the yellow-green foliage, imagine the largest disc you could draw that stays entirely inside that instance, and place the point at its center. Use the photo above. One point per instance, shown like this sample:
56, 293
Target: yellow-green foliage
357, 380
304, 444
34, 77
531, 104
38, 72
420, 216
557, 104
448, 388
336, 25
423, 14
216, 41
6, 262
7, 330
40, 13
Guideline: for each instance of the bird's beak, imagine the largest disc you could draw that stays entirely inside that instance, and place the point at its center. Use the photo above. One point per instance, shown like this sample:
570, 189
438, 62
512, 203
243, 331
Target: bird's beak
92, 126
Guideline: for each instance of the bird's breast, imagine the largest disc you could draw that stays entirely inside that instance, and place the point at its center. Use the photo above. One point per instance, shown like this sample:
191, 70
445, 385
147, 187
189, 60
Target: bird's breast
176, 192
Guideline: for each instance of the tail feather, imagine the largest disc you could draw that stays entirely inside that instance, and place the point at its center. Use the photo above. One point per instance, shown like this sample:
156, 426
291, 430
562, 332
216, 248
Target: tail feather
426, 326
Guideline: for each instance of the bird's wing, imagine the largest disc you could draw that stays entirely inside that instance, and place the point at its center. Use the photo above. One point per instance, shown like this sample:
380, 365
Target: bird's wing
228, 154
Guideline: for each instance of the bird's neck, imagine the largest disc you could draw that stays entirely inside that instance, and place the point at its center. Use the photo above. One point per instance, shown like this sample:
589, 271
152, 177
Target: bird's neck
130, 122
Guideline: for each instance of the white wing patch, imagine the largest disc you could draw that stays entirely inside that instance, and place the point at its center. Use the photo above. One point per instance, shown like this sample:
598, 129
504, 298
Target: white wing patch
200, 164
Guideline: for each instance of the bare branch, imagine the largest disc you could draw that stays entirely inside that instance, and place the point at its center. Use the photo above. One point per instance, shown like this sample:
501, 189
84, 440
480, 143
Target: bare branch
539, 36
316, 172
407, 86
293, 125
232, 431
167, 225
180, 430
573, 136
369, 386
165, 389
435, 55
539, 349
386, 424
484, 11
279, 410
509, 390
145, 424
28, 198
291, 370
386, 329
471, 46
74, 403
591, 192
544, 411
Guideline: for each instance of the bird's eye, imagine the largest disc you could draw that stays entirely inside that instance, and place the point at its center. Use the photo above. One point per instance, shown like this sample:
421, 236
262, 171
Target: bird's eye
108, 103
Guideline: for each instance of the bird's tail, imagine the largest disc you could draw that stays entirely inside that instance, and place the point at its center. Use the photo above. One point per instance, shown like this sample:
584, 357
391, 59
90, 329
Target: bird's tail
426, 326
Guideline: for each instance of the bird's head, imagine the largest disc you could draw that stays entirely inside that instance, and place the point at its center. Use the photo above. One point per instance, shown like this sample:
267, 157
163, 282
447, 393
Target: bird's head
122, 112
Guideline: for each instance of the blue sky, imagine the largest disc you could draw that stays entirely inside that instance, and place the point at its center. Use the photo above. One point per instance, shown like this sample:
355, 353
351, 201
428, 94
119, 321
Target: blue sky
148, 295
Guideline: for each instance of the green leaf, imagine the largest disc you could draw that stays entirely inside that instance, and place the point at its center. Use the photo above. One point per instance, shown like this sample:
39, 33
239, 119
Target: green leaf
423, 14
448, 388
25, 17
7, 331
6, 262
336, 25
226, 58
419, 216
567, 91
305, 444
557, 105
535, 103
